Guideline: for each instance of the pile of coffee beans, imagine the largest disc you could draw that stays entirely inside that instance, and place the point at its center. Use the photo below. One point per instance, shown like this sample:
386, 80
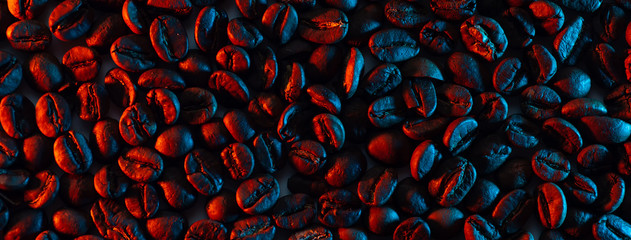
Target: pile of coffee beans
315, 119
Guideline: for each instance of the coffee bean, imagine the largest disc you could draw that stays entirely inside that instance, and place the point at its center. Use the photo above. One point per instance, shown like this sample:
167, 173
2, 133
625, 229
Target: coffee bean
540, 102
457, 10
94, 103
460, 134
386, 112
411, 197
169, 225
563, 135
602, 129
412, 228
168, 38
142, 200
255, 227
161, 78
509, 76
439, 36
453, 100
230, 87
41, 190
569, 42
293, 81
582, 107
420, 95
10, 150
110, 182
72, 153
106, 31
445, 222
26, 10
199, 167
580, 188
611, 227
548, 15
120, 88
513, 210
323, 26
476, 227
515, 173
175, 141
137, 124
484, 36
466, 71
607, 65
243, 33
449, 190
133, 53
313, 233
377, 186
382, 79
307, 156
26, 224
164, 104
425, 155
197, 105
206, 229
71, 19
424, 128
223, 207
70, 222
280, 20
176, 189
141, 164
364, 23
44, 72
551, 205
490, 107
352, 73
481, 196
294, 211
210, 29
347, 166
339, 208
521, 132
393, 45
612, 189
238, 160
325, 98
390, 147
136, 16
550, 165
29, 35
112, 221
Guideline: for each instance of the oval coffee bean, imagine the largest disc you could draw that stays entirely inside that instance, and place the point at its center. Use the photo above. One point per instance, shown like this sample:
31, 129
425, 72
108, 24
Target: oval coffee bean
412, 228
551, 205
307, 156
323, 26
457, 178
141, 164
133, 53
484, 36
168, 38
476, 227
611, 227
255, 227
550, 165
28, 35
425, 155
257, 195
460, 134
199, 166
71, 19
377, 186
339, 208
41, 190
393, 45
238, 160
142, 200
294, 211
137, 124
72, 153
513, 210
206, 229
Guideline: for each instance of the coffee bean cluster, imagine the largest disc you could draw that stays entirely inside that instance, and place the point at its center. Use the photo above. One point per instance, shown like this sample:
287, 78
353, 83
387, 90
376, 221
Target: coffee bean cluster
402, 119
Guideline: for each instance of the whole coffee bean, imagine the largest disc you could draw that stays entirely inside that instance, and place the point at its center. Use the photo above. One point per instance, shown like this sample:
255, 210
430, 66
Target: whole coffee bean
420, 95
267, 149
288, 127
447, 189
352, 73
405, 14
230, 87
439, 36
347, 166
223, 207
53, 114
112, 221
215, 134
412, 228
164, 104
28, 35
142, 200
515, 173
141, 164
47, 235
14, 179
11, 73
110, 182
176, 189
582, 107
519, 26
239, 125
382, 79
70, 20
386, 112
197, 105
453, 10
169, 225
513, 210
307, 156
393, 45
580, 188
105, 139
137, 124
521, 132
179, 8
460, 134
325, 98
293, 81
481, 196
382, 220
26, 10
10, 150
422, 128
255, 227
161, 78
233, 58
569, 42
257, 195
44, 72
550, 165
611, 227
339, 208
445, 222
136, 16
280, 21
350, 234
77, 189
489, 107
133, 53
612, 188
421, 68
105, 32
510, 76
329, 130
94, 102
313, 233
607, 130
243, 33
72, 153
41, 189
484, 36
549, 15
207, 229
377, 186
323, 26
543, 66
582, 5
238, 160
476, 227
199, 166
168, 38
551, 205
390, 147
70, 222
572, 82
120, 88
265, 67
453, 100
175, 141
563, 135
609, 23
83, 62
540, 102
210, 29
25, 224
617, 103
607, 65
195, 67
466, 71
596, 158
294, 211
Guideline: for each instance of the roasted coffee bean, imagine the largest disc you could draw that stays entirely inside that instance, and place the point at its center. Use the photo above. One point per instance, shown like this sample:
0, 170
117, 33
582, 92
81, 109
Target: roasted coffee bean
142, 200
513, 210
238, 160
481, 196
105, 139
329, 130
572, 82
549, 16
489, 107
197, 105
72, 153
460, 134
563, 135
112, 221
386, 112
582, 107
265, 67
53, 115
230, 87
210, 29
453, 10
325, 98
521, 132
347, 166
47, 235
44, 73
136, 16
120, 88
265, 109
179, 8
580, 188
164, 104
41, 189
607, 130
611, 227
307, 156
551, 205
77, 189
490, 153
71, 19
457, 178
10, 150
239, 125
550, 165
323, 26
543, 66
94, 102
26, 10
412, 228
609, 23
199, 166
439, 36
595, 158
176, 189
257, 195
607, 65
14, 179
466, 71
161, 78
215, 134
509, 76
393, 45
515, 173
540, 102
325, 62
25, 224
476, 227
294, 211
293, 81
83, 62
105, 32
339, 208
233, 58
267, 149
390, 147
421, 68
175, 141
569, 42
445, 222
350, 234
582, 5
382, 220
422, 128
420, 95
280, 21
453, 100
382, 79
617, 103
28, 35
133, 53
223, 207
110, 182
377, 186
141, 164
405, 14
168, 38
313, 233
243, 33
255, 227
70, 222
612, 189
352, 73
519, 26
36, 153
206, 229
484, 36
425, 155
137, 124
411, 197
11, 73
